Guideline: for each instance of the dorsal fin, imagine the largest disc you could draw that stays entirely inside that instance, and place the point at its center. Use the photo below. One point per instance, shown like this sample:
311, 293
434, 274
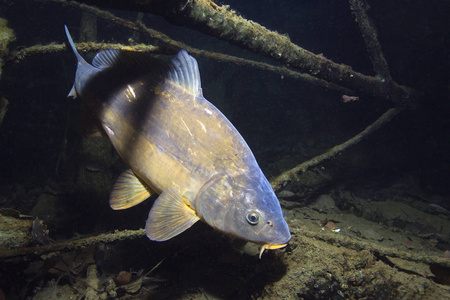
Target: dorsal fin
184, 71
124, 59
136, 63
106, 58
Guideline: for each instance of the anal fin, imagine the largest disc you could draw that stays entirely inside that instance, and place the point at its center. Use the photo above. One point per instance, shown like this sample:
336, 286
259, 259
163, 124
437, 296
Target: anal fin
128, 191
169, 216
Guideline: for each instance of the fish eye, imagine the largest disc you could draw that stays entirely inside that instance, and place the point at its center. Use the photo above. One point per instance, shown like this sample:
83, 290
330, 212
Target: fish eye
253, 217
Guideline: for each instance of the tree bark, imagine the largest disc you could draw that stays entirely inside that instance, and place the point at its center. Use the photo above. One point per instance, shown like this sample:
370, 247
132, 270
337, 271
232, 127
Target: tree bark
369, 33
223, 23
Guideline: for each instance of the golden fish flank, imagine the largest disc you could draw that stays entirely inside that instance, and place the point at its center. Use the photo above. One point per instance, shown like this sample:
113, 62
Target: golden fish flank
178, 145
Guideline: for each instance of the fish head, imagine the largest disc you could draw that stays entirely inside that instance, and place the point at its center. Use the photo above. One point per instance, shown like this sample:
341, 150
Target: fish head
245, 207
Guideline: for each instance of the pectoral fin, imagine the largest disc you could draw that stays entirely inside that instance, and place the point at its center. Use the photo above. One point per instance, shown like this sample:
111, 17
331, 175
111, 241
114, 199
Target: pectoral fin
169, 216
128, 191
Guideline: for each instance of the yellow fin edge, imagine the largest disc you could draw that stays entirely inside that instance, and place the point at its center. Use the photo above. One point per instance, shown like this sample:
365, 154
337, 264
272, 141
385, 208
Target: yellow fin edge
128, 191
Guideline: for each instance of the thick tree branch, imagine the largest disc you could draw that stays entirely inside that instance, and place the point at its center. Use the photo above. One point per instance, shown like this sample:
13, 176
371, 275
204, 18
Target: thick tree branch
72, 244
342, 240
167, 41
223, 23
369, 33
90, 46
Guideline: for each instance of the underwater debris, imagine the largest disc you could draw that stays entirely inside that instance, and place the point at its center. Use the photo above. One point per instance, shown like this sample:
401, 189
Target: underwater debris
123, 278
15, 229
331, 225
93, 283
411, 267
347, 98
359, 9
437, 208
324, 204
53, 264
23, 250
6, 37
130, 283
3, 106
442, 274
78, 270
285, 194
39, 232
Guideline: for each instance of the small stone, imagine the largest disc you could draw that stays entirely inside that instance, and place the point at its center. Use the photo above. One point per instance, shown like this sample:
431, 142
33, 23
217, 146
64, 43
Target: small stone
123, 278
285, 194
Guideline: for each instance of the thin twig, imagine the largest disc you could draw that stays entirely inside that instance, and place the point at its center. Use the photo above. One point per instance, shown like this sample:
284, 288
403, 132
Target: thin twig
293, 174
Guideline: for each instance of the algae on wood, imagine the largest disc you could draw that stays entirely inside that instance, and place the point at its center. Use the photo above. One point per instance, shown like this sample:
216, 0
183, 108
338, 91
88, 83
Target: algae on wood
223, 23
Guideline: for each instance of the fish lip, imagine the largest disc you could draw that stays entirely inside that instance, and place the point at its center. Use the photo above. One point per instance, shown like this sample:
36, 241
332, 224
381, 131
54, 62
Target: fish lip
271, 247
274, 246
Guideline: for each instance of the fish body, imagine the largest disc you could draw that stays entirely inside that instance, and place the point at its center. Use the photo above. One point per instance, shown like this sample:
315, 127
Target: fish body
177, 145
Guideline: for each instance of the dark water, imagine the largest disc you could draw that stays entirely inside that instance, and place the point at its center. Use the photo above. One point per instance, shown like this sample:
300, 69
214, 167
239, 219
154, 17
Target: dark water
285, 121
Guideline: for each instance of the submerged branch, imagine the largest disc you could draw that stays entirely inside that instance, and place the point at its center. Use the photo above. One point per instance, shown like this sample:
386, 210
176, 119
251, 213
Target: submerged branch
91, 46
223, 23
342, 240
139, 26
369, 33
292, 175
3, 108
166, 40
72, 243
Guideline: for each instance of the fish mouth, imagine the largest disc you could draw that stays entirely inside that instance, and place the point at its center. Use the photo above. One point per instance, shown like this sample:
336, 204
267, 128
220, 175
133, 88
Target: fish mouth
271, 247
